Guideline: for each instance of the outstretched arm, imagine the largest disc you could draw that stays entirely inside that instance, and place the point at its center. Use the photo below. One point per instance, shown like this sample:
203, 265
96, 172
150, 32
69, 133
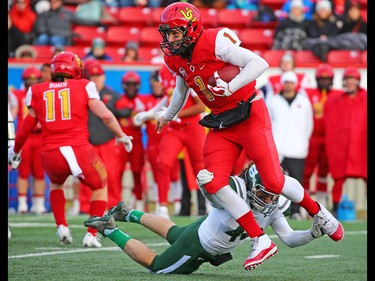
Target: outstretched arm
294, 238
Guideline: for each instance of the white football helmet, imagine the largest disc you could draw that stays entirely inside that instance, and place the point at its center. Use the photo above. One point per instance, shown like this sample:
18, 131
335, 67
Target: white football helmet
262, 200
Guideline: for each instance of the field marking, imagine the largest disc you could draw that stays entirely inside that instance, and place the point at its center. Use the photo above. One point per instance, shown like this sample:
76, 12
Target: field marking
82, 250
321, 256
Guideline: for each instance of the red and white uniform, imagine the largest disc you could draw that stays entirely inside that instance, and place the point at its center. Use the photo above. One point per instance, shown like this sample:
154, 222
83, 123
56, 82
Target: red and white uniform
31, 163
62, 110
345, 119
222, 147
317, 156
136, 156
177, 135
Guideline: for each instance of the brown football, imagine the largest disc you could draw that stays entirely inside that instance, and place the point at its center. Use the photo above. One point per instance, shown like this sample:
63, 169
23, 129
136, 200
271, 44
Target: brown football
226, 73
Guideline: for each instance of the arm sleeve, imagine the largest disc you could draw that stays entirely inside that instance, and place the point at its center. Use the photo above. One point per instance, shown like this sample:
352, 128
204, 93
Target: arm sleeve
252, 65
28, 125
179, 98
291, 238
11, 130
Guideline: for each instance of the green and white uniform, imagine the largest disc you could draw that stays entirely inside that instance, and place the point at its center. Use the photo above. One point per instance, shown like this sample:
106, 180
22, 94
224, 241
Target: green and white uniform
211, 238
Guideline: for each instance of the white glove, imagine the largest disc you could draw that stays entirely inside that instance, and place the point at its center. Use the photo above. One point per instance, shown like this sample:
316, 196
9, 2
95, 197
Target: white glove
160, 113
142, 117
204, 177
221, 89
126, 141
14, 159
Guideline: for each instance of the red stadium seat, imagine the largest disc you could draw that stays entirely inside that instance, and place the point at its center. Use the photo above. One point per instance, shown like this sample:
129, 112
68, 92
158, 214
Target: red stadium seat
343, 58
235, 18
364, 58
85, 34
115, 52
44, 52
306, 58
79, 50
135, 16
119, 35
150, 37
257, 38
273, 57
155, 16
273, 4
147, 53
209, 17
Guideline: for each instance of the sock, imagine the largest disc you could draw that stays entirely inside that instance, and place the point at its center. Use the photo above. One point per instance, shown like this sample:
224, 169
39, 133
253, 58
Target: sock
58, 201
97, 208
117, 236
134, 216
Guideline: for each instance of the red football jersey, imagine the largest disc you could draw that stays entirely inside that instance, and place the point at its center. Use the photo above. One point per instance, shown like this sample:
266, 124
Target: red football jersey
62, 110
205, 62
168, 80
136, 105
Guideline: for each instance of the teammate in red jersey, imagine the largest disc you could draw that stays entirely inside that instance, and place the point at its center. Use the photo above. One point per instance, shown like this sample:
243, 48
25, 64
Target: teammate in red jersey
61, 106
183, 131
131, 100
154, 102
239, 119
31, 164
317, 156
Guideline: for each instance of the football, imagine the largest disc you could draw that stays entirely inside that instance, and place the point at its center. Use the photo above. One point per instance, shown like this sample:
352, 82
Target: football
226, 73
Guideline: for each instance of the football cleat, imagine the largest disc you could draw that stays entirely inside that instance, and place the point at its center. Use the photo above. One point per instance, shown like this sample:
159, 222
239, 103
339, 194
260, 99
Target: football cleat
101, 223
91, 241
120, 211
64, 235
262, 249
329, 224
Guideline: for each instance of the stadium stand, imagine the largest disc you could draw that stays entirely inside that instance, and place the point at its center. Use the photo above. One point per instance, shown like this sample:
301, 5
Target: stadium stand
135, 16
119, 35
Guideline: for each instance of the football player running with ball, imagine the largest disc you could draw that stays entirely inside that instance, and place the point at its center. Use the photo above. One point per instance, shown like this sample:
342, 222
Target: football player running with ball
239, 119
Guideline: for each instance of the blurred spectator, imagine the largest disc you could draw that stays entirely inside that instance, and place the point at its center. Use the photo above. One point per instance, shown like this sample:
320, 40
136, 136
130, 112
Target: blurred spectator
54, 27
23, 17
27, 52
353, 21
45, 70
131, 52
42, 6
316, 161
324, 34
308, 9
345, 117
15, 38
273, 85
290, 32
132, 3
97, 50
94, 10
292, 124
251, 5
216, 4
57, 49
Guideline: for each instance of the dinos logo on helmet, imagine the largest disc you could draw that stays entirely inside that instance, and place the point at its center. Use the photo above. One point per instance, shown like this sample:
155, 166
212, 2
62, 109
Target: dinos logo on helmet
188, 15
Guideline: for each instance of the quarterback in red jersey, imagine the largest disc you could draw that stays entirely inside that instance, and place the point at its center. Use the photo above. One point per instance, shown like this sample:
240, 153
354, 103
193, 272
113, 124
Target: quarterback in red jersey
239, 119
61, 106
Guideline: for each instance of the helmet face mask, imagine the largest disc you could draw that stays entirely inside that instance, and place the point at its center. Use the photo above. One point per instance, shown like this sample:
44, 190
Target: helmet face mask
183, 17
262, 200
